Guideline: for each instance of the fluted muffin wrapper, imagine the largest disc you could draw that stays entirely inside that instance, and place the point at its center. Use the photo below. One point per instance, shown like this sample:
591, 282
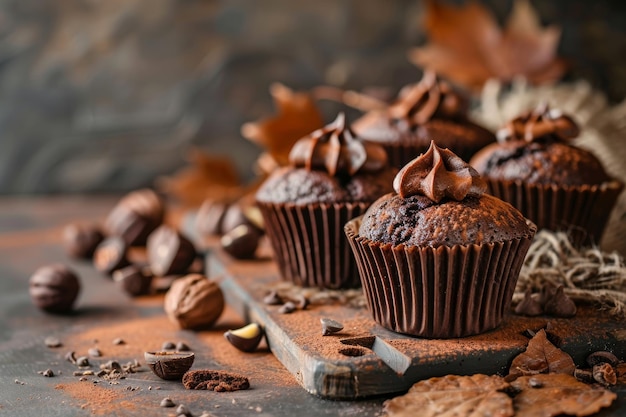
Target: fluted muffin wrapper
310, 246
582, 211
438, 292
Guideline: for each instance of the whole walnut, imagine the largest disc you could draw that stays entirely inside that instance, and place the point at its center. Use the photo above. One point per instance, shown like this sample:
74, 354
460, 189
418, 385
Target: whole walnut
194, 302
135, 216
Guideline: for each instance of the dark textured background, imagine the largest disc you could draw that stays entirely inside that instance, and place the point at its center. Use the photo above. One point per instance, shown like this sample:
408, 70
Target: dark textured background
105, 95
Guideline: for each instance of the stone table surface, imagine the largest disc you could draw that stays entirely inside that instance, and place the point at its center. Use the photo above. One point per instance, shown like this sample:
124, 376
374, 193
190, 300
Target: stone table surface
30, 236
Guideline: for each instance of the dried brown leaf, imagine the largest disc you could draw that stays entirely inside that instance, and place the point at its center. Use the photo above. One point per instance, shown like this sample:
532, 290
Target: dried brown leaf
467, 45
206, 176
541, 357
297, 116
458, 396
557, 394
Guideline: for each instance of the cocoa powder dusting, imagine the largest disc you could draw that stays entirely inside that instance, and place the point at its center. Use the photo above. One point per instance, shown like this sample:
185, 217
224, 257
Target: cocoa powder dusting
96, 399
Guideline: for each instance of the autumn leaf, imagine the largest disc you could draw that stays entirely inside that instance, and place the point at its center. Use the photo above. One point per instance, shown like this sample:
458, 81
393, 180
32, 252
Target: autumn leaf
206, 176
467, 45
540, 357
458, 396
556, 394
297, 116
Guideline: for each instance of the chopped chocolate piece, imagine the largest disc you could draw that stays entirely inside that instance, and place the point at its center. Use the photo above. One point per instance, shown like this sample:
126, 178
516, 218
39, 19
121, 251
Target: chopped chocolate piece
82, 361
218, 381
135, 216
169, 252
330, 326
529, 306
209, 217
133, 280
81, 240
167, 402
94, 352
54, 288
52, 342
246, 338
287, 308
168, 346
599, 357
241, 242
48, 373
273, 299
169, 365
111, 255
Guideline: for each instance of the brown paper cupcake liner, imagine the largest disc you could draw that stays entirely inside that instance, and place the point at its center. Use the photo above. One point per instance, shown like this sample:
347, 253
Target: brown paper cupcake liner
582, 211
440, 292
310, 246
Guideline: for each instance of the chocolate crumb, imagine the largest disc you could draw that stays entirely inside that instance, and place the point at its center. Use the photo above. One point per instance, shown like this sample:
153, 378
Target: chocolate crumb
287, 308
218, 381
119, 341
52, 342
94, 352
167, 402
48, 373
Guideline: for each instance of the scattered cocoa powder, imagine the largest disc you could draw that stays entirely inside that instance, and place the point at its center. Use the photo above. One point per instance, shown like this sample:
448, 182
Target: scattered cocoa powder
98, 400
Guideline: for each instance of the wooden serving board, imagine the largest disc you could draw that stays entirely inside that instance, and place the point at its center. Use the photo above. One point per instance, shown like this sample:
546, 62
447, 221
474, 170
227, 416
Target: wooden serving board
366, 360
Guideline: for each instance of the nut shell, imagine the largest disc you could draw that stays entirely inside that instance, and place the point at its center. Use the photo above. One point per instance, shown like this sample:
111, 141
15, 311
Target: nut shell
169, 365
194, 302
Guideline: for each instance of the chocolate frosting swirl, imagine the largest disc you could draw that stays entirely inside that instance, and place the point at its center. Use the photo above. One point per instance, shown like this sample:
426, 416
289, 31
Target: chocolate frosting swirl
439, 173
539, 124
336, 149
429, 98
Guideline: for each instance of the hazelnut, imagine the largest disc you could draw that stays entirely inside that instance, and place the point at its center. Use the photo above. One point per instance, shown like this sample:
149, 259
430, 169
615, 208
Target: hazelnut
54, 288
135, 216
194, 302
169, 252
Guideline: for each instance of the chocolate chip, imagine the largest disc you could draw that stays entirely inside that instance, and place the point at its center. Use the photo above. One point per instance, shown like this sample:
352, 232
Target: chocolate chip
182, 347
272, 299
54, 288
52, 342
119, 341
168, 346
82, 361
169, 252
135, 216
560, 305
241, 242
94, 352
111, 255
287, 308
133, 280
81, 240
167, 402
330, 326
529, 306
218, 381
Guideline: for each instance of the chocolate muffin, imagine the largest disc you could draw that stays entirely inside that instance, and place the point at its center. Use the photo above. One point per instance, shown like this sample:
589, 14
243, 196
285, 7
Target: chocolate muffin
556, 185
439, 258
333, 176
428, 110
